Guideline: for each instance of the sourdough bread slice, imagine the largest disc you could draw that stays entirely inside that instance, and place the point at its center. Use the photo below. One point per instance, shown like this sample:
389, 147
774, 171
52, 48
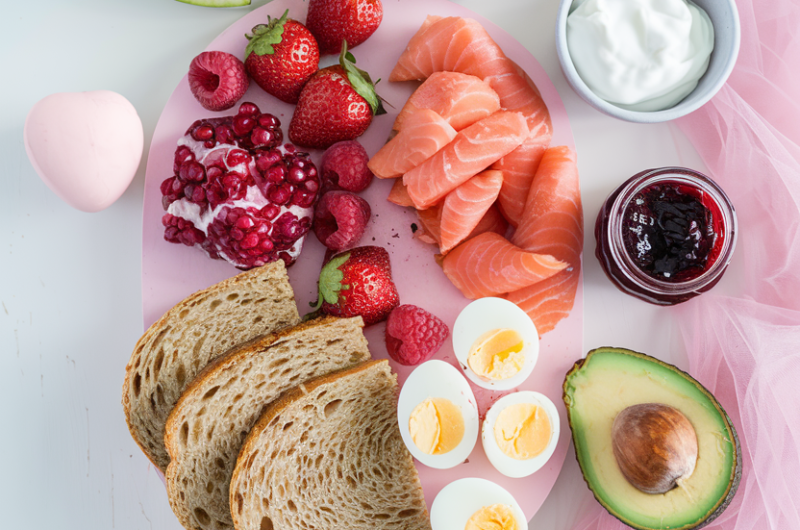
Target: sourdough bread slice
328, 455
207, 427
188, 336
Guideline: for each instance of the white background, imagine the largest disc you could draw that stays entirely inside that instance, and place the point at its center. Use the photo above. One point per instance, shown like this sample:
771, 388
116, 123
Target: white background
70, 282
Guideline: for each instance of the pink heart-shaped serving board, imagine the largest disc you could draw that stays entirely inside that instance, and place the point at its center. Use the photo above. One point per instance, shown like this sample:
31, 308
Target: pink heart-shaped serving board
171, 272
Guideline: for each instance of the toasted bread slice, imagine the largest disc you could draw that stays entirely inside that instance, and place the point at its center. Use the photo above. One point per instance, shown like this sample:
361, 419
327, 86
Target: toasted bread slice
207, 427
188, 336
328, 454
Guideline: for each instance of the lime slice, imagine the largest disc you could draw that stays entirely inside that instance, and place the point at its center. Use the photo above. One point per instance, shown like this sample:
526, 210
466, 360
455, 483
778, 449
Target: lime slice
217, 3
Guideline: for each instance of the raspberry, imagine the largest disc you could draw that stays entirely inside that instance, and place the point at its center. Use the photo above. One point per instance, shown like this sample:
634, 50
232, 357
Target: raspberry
217, 80
413, 335
340, 219
344, 166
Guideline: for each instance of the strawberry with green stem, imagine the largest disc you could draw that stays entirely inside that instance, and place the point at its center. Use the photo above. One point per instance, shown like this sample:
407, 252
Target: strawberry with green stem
281, 56
336, 104
357, 282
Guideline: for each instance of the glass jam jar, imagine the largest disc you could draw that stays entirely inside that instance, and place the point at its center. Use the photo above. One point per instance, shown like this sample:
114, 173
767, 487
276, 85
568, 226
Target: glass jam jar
666, 235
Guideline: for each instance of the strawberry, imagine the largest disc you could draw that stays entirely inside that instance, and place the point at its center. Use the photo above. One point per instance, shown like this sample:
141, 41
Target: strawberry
281, 56
334, 21
358, 282
336, 104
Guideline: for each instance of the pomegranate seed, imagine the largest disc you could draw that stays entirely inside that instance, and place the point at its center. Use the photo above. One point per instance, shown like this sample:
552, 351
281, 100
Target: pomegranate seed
280, 194
224, 134
261, 136
266, 245
248, 108
269, 121
270, 211
192, 171
242, 125
237, 234
244, 223
202, 133
312, 185
236, 157
214, 173
296, 174
250, 241
290, 148
276, 174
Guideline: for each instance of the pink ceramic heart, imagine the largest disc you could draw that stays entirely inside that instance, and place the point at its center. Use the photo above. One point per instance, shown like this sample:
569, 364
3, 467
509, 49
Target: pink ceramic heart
86, 146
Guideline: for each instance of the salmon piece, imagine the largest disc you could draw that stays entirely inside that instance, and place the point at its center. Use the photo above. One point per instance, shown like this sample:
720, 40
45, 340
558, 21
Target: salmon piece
465, 207
399, 195
460, 99
518, 92
552, 223
451, 44
425, 133
549, 301
489, 265
492, 221
429, 230
471, 151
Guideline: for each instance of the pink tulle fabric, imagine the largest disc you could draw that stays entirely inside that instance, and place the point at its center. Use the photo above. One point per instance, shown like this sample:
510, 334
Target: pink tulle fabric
747, 350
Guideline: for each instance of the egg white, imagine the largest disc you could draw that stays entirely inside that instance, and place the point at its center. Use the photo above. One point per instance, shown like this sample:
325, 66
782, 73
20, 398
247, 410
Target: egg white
438, 379
486, 314
506, 465
459, 500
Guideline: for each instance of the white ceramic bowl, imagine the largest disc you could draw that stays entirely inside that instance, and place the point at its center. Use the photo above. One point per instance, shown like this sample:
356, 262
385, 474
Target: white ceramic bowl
727, 35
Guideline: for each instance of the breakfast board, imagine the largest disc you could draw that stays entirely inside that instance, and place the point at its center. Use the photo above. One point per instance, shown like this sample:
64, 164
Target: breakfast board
170, 272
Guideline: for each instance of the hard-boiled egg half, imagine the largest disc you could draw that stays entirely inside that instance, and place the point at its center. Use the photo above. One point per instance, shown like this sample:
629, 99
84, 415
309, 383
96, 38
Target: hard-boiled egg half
438, 415
496, 343
474, 503
520, 433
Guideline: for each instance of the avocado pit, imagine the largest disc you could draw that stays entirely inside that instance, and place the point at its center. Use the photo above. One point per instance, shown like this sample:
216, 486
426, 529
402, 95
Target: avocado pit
655, 446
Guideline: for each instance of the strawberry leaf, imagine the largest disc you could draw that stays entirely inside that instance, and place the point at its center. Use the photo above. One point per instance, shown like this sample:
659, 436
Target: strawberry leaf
360, 81
330, 279
265, 35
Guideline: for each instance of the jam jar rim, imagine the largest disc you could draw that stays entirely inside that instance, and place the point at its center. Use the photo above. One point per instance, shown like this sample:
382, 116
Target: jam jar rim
685, 176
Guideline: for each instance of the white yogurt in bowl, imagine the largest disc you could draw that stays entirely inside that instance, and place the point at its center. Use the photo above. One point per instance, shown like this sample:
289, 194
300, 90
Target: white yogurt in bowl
641, 55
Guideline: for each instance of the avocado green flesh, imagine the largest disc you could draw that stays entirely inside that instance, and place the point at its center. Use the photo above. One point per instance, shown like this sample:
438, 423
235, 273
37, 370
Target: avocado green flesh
611, 380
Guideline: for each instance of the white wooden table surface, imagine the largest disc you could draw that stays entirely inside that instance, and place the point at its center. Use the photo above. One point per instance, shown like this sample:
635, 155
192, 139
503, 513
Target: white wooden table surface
70, 282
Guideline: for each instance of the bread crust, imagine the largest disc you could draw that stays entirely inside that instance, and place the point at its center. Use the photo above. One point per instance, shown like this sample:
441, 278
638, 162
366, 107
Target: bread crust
146, 347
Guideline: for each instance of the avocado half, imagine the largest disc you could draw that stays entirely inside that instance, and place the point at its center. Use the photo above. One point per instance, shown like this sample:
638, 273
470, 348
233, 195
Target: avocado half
609, 380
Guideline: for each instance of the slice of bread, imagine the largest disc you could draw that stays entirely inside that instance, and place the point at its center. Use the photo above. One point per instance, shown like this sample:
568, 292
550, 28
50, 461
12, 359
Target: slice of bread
328, 454
209, 424
188, 336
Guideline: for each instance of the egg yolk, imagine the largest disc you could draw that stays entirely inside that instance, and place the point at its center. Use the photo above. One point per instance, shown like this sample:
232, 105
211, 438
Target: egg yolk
436, 426
522, 430
497, 354
494, 517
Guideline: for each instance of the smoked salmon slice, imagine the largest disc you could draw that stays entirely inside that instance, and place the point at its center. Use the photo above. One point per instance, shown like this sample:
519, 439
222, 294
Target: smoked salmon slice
429, 229
465, 206
488, 265
518, 92
399, 195
549, 301
471, 151
451, 44
425, 133
460, 99
553, 224
492, 221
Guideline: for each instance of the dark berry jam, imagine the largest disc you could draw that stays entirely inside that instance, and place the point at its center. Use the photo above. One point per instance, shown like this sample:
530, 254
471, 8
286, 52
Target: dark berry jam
666, 235
669, 233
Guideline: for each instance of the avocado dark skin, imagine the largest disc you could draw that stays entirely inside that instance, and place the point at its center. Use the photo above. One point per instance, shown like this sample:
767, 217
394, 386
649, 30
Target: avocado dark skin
736, 472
